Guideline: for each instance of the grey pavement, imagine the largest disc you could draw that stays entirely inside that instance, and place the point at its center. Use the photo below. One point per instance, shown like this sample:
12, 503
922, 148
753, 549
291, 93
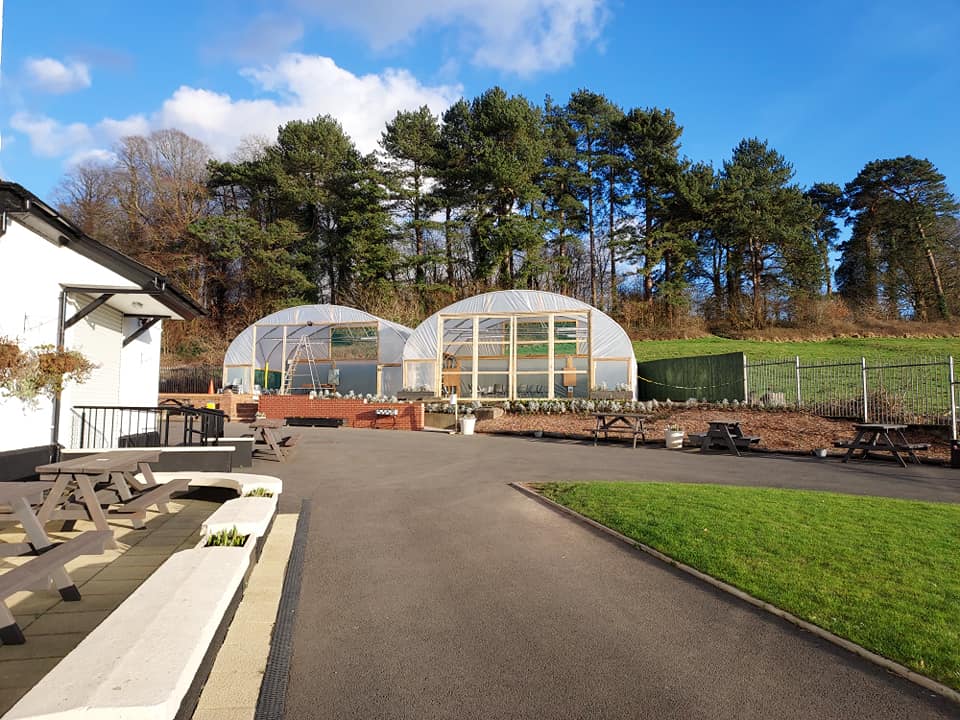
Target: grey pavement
432, 589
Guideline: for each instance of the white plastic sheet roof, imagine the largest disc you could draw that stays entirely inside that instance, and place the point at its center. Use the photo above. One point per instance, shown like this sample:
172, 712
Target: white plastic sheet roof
392, 336
609, 339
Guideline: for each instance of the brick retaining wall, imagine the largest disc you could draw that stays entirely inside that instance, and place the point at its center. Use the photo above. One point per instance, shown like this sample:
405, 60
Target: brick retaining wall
227, 401
356, 412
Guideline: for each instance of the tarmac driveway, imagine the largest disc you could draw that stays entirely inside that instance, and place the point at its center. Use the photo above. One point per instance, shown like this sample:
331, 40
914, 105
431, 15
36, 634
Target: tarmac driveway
431, 589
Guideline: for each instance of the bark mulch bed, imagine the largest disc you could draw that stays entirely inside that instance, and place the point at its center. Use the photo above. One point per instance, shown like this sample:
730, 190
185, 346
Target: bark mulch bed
778, 430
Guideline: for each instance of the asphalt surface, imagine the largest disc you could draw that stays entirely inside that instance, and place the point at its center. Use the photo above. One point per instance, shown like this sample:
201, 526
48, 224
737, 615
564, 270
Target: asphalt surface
432, 589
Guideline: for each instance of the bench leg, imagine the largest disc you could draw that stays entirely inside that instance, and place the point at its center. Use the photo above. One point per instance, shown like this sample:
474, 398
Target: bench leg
94, 511
10, 632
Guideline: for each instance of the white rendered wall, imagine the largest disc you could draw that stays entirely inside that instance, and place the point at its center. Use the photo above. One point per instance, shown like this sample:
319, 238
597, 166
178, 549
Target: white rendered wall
32, 269
140, 366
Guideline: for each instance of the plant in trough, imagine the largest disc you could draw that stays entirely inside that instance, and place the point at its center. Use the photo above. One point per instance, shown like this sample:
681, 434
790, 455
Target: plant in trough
227, 538
260, 492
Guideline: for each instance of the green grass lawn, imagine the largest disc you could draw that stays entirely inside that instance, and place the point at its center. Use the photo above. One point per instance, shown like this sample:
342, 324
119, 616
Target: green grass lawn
883, 573
835, 349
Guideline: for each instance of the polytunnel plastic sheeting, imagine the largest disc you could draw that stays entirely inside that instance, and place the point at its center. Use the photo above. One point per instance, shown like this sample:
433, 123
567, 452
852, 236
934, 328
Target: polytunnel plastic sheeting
391, 336
608, 338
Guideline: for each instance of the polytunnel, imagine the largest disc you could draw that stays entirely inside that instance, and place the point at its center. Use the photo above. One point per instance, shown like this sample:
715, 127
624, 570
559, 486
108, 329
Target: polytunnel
318, 348
516, 344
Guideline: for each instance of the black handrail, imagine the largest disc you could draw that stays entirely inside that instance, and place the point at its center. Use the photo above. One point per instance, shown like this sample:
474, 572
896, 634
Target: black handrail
107, 426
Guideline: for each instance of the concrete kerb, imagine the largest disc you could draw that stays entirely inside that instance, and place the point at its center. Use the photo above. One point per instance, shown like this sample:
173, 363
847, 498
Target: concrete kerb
878, 660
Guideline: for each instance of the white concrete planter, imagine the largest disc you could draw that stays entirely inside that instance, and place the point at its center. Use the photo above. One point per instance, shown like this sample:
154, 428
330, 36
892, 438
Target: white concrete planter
139, 663
467, 424
674, 439
249, 515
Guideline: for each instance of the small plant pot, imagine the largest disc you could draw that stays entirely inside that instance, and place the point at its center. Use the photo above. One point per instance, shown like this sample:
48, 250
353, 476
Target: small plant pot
538, 433
468, 424
820, 452
674, 439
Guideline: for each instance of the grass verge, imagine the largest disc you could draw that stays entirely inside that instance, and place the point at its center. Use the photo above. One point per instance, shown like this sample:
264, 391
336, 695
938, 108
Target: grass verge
883, 573
835, 349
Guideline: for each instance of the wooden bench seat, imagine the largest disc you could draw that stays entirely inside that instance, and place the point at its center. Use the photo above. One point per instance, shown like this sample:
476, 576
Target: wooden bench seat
37, 574
143, 661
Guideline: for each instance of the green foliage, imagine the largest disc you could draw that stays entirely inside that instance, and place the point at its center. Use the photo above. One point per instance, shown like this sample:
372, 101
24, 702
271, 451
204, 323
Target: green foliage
227, 538
883, 573
584, 197
901, 209
259, 492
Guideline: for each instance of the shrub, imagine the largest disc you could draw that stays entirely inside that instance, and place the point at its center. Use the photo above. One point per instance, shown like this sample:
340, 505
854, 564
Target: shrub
227, 538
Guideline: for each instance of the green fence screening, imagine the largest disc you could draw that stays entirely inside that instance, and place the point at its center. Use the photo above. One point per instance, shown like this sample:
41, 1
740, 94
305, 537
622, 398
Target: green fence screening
707, 377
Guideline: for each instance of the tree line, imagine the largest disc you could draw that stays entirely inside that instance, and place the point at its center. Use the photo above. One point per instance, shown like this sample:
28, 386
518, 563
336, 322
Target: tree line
584, 198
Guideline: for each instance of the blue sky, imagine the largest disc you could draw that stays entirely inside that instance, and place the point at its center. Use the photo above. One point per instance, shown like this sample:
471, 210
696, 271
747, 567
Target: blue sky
831, 85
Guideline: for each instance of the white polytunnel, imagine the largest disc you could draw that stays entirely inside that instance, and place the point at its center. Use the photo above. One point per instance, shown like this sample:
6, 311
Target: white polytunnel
318, 348
515, 344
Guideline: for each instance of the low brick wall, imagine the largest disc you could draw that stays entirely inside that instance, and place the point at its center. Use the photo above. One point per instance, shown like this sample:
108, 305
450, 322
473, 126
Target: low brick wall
227, 401
356, 412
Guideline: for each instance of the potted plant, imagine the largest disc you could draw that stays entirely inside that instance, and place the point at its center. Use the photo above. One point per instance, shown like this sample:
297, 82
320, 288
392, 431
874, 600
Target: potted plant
468, 422
674, 436
27, 374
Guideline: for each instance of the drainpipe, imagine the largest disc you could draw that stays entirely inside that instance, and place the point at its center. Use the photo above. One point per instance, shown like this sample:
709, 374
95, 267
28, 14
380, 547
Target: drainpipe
61, 333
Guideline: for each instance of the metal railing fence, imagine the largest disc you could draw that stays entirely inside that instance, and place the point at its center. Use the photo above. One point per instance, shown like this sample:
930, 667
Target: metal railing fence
921, 392
103, 427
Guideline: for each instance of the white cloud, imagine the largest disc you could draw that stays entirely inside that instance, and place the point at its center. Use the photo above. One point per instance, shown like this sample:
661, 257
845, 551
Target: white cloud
55, 77
50, 138
298, 87
521, 36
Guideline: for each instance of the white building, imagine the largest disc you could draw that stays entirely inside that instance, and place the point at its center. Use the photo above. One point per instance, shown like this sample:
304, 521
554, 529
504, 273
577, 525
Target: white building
60, 287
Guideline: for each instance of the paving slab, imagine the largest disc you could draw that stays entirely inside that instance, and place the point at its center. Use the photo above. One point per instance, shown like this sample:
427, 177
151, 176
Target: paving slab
432, 589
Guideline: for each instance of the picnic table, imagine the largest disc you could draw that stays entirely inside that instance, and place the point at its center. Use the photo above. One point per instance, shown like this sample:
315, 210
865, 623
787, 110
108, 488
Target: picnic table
86, 474
265, 430
17, 497
45, 570
619, 423
726, 435
881, 437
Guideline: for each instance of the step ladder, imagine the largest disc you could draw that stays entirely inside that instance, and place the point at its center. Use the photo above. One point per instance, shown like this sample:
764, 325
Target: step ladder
303, 351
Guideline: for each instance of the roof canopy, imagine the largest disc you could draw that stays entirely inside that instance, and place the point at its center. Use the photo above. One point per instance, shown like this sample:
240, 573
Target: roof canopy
268, 333
607, 338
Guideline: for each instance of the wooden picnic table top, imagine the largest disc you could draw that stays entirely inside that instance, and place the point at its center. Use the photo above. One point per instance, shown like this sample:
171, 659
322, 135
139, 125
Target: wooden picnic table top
728, 423
879, 426
101, 463
10, 491
272, 423
621, 414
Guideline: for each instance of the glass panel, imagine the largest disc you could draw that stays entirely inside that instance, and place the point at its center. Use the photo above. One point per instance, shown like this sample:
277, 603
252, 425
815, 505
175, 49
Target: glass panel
391, 380
533, 386
571, 335
318, 340
535, 329
354, 343
609, 374
457, 332
494, 329
579, 388
361, 378
421, 375
308, 376
493, 385
493, 364
238, 377
525, 364
272, 381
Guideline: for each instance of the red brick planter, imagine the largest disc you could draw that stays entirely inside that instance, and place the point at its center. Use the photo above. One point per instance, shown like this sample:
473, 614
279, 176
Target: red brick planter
356, 412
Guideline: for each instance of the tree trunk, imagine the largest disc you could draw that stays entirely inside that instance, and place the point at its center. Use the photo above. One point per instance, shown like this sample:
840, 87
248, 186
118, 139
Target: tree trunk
756, 264
593, 250
448, 244
611, 242
935, 274
648, 247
